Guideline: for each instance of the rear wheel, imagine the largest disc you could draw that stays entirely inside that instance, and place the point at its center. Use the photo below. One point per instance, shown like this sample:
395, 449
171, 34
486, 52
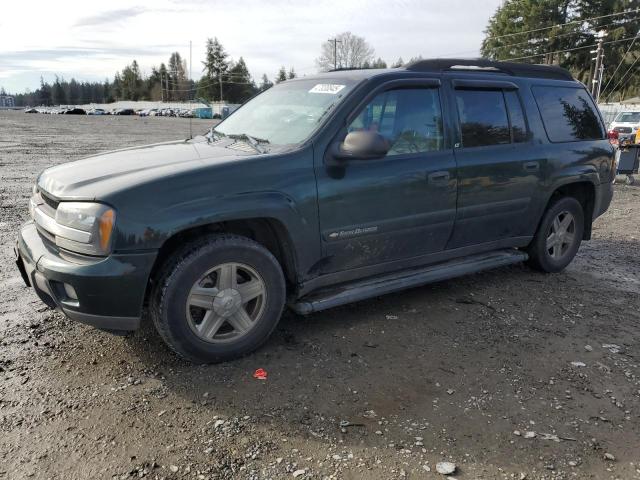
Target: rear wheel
218, 299
558, 237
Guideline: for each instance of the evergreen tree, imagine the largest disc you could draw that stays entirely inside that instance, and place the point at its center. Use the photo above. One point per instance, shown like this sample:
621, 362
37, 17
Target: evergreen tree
291, 74
178, 81
265, 84
106, 91
131, 82
281, 76
45, 94
563, 32
379, 63
58, 93
215, 68
399, 63
239, 86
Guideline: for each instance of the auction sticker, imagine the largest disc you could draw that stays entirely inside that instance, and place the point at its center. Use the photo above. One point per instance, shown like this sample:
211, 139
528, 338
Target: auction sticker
331, 88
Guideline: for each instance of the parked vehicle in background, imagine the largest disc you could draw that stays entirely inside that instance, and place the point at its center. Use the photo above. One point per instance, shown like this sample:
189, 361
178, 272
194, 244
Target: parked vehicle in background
73, 111
124, 111
30, 110
318, 192
96, 111
626, 125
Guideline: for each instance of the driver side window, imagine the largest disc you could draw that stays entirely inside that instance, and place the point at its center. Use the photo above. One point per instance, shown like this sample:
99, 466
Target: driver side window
409, 119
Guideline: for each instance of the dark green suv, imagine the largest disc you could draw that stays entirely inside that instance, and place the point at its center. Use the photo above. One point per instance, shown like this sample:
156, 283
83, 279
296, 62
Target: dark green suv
321, 191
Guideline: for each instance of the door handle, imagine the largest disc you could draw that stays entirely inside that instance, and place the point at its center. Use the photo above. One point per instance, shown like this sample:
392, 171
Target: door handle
531, 166
439, 178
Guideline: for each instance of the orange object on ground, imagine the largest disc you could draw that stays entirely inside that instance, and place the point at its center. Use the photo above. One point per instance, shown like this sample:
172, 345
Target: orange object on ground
260, 374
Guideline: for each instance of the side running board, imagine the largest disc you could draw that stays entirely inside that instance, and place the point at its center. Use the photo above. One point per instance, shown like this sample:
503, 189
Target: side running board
374, 287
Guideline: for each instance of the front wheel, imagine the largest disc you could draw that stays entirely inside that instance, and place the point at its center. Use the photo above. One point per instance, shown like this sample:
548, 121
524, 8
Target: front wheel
220, 298
558, 237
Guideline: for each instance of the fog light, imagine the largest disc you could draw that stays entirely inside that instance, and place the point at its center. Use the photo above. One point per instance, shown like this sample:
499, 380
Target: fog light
70, 291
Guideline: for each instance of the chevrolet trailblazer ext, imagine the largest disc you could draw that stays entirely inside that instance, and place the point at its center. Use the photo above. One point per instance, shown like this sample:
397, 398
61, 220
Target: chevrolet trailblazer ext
321, 191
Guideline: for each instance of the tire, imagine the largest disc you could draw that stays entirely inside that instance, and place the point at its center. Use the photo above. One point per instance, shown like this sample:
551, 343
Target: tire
556, 258
198, 304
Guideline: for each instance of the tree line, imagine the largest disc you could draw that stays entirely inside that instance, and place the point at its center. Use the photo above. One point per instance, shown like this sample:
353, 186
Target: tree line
561, 32
564, 32
222, 78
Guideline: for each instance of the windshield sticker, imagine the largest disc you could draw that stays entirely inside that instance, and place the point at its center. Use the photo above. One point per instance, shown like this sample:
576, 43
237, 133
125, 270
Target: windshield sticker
327, 88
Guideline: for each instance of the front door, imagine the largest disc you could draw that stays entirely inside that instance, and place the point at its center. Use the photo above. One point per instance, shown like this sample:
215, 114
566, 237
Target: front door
396, 207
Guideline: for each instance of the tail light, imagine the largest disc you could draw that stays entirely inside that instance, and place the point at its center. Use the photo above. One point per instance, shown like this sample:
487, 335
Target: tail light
613, 137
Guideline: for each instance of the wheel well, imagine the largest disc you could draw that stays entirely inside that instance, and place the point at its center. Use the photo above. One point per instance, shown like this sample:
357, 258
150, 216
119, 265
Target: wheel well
585, 193
268, 232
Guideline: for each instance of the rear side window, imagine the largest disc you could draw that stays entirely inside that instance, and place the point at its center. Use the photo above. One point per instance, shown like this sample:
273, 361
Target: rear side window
568, 114
490, 117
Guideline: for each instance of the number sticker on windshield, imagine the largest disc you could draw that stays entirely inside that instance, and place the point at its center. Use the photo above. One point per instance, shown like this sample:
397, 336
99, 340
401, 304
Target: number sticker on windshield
327, 88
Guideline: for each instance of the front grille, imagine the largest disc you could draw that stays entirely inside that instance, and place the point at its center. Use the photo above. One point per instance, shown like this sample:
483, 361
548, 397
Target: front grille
49, 200
623, 129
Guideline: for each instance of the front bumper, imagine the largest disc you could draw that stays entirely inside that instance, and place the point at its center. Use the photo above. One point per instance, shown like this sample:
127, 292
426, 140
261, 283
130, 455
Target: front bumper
110, 291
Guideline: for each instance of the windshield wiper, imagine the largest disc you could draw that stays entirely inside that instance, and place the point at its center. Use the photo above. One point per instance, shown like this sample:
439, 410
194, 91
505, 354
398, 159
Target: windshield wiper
212, 133
253, 141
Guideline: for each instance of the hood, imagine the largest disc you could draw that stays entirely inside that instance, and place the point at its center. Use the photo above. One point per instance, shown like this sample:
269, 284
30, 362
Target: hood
100, 175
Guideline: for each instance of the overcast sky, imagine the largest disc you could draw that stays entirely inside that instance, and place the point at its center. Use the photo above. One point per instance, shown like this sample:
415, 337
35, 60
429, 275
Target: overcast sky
92, 40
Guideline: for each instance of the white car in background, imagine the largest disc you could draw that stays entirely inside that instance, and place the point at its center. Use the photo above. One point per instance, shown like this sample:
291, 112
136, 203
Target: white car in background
626, 124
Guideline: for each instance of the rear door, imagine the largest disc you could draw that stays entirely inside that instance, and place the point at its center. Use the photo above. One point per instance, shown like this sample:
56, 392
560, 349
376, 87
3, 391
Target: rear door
500, 170
399, 206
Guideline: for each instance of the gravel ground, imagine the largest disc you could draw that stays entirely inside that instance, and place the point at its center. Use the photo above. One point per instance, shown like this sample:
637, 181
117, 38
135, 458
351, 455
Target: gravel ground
476, 371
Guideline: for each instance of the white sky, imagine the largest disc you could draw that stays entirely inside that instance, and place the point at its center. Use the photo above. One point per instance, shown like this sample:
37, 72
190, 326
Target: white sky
92, 40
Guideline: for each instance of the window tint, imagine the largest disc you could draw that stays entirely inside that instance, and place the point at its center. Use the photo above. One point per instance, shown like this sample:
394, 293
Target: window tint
516, 115
409, 119
483, 117
568, 114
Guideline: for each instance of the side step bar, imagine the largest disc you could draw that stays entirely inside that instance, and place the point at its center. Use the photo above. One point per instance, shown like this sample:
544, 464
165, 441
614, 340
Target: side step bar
374, 287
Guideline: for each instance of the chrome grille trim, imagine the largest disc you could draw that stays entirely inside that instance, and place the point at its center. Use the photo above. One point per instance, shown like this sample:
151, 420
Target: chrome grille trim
49, 224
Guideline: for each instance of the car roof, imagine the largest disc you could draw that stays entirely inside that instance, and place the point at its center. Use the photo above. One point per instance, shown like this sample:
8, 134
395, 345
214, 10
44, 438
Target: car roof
443, 65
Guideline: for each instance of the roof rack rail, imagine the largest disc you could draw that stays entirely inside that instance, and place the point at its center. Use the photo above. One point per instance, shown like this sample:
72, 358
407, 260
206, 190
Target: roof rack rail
485, 65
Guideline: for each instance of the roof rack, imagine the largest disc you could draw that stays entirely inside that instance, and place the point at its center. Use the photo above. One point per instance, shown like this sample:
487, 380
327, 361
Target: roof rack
485, 65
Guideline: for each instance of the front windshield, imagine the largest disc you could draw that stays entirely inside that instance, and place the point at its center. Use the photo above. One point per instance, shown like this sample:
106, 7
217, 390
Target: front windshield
288, 112
631, 117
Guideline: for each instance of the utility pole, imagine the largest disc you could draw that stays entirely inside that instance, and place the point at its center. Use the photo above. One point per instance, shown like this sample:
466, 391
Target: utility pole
598, 71
335, 52
161, 88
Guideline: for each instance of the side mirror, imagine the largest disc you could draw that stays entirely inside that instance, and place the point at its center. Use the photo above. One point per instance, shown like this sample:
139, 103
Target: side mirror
362, 145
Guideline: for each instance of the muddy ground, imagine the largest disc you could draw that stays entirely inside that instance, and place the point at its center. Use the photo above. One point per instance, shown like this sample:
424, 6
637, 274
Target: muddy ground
463, 370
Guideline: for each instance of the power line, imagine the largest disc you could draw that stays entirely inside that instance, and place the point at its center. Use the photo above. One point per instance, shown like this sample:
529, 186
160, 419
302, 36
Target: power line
578, 32
562, 25
620, 23
570, 49
621, 61
625, 74
205, 86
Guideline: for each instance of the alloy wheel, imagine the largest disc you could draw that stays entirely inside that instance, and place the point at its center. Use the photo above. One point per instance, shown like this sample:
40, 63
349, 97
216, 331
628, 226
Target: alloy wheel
226, 303
561, 235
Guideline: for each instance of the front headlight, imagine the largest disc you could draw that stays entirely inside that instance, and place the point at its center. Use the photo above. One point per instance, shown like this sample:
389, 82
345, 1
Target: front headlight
85, 227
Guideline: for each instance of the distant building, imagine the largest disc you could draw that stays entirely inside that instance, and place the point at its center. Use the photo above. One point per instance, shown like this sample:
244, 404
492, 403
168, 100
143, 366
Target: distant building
7, 101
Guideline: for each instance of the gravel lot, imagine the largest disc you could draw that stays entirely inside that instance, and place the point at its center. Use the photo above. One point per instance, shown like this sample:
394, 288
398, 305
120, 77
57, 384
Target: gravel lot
476, 371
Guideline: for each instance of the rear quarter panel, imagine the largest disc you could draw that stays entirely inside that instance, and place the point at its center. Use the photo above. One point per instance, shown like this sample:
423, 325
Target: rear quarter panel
566, 162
